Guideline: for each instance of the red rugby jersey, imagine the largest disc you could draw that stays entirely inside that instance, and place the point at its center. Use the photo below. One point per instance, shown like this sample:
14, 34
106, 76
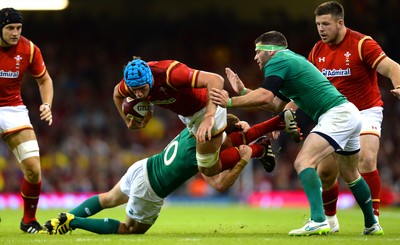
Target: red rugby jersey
174, 88
14, 61
351, 67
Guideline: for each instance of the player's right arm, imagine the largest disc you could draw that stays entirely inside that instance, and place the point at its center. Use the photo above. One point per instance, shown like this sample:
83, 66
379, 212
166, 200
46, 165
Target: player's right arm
224, 180
391, 69
239, 87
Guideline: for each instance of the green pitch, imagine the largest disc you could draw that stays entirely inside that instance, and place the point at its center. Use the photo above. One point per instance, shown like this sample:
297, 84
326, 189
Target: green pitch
218, 224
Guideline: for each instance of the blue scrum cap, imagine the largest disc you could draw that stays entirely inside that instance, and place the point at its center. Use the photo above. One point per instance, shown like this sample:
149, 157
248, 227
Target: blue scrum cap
137, 73
10, 16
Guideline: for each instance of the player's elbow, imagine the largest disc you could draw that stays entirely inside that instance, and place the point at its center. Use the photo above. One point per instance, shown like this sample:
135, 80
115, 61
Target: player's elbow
217, 81
221, 187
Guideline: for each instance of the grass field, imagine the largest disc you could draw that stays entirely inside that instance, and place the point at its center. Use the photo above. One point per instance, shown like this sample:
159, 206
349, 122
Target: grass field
228, 224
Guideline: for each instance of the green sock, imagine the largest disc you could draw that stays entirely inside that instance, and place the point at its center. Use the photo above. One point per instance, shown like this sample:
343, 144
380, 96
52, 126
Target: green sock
362, 194
88, 208
313, 188
99, 226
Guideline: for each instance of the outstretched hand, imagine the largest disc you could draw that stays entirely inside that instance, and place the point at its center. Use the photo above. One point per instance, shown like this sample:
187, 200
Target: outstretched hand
219, 97
234, 80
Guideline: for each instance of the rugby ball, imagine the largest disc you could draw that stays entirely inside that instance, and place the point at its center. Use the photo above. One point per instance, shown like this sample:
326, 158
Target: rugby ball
136, 109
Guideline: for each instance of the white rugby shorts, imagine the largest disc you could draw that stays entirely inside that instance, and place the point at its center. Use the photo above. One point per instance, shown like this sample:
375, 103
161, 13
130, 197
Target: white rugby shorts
143, 205
341, 126
13, 118
371, 121
193, 122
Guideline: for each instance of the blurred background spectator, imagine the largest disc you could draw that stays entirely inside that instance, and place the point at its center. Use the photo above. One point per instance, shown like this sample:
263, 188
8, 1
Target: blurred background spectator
88, 147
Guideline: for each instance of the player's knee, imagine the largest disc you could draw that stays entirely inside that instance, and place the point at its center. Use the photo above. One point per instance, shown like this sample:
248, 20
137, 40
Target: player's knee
26, 150
367, 164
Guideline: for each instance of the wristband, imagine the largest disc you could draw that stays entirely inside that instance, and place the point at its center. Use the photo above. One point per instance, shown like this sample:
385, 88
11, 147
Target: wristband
240, 163
229, 103
243, 91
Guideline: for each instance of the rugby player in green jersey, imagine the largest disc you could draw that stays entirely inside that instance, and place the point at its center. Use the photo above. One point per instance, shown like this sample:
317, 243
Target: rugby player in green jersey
149, 181
291, 81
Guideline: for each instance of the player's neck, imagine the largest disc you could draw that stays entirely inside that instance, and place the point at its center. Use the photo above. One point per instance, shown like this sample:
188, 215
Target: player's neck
340, 36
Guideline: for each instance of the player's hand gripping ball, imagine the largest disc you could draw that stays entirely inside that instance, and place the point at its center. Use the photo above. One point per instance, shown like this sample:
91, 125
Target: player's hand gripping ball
136, 109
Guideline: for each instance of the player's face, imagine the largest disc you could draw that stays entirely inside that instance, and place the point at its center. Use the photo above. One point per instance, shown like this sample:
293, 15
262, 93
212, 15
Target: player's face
328, 28
262, 57
11, 34
141, 92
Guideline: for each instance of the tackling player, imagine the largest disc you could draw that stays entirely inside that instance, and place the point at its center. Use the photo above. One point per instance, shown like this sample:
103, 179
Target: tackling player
351, 60
149, 181
290, 80
18, 55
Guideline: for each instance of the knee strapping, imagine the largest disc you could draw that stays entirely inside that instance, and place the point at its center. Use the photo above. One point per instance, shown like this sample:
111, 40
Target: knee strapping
26, 149
207, 160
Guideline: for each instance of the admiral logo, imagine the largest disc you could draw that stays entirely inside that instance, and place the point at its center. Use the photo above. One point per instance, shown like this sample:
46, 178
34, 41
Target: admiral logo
9, 74
336, 73
321, 59
165, 102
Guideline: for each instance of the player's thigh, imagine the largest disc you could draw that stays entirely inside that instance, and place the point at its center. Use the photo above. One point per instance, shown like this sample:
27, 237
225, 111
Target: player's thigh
314, 150
13, 140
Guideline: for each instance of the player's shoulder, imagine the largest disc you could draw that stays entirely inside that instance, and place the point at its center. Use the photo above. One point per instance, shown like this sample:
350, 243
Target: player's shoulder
26, 46
24, 42
162, 63
352, 34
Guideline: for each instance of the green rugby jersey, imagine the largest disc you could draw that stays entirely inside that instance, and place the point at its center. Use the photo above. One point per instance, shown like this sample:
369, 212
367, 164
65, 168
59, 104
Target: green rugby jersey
303, 83
174, 165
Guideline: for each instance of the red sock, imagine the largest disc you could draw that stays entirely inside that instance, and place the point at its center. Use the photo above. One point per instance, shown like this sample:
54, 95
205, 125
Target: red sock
374, 182
258, 150
330, 198
30, 194
263, 128
229, 157
236, 138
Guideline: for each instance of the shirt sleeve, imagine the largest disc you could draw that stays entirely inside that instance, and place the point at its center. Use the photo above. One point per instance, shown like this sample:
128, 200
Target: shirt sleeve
273, 84
37, 67
371, 53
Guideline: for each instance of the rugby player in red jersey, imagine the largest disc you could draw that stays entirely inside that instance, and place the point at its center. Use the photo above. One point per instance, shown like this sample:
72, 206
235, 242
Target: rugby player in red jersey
351, 61
18, 55
173, 85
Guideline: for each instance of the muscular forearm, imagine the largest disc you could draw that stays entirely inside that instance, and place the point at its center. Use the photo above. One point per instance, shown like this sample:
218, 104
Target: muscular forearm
224, 180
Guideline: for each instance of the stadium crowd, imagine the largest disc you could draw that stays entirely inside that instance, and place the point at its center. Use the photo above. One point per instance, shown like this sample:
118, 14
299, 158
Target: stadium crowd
88, 147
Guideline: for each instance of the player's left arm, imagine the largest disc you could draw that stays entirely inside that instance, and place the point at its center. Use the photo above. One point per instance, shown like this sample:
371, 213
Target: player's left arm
390, 69
224, 180
45, 84
210, 81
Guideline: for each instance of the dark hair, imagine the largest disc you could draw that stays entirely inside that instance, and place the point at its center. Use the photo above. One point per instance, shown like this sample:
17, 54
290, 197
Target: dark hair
231, 121
332, 7
272, 38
